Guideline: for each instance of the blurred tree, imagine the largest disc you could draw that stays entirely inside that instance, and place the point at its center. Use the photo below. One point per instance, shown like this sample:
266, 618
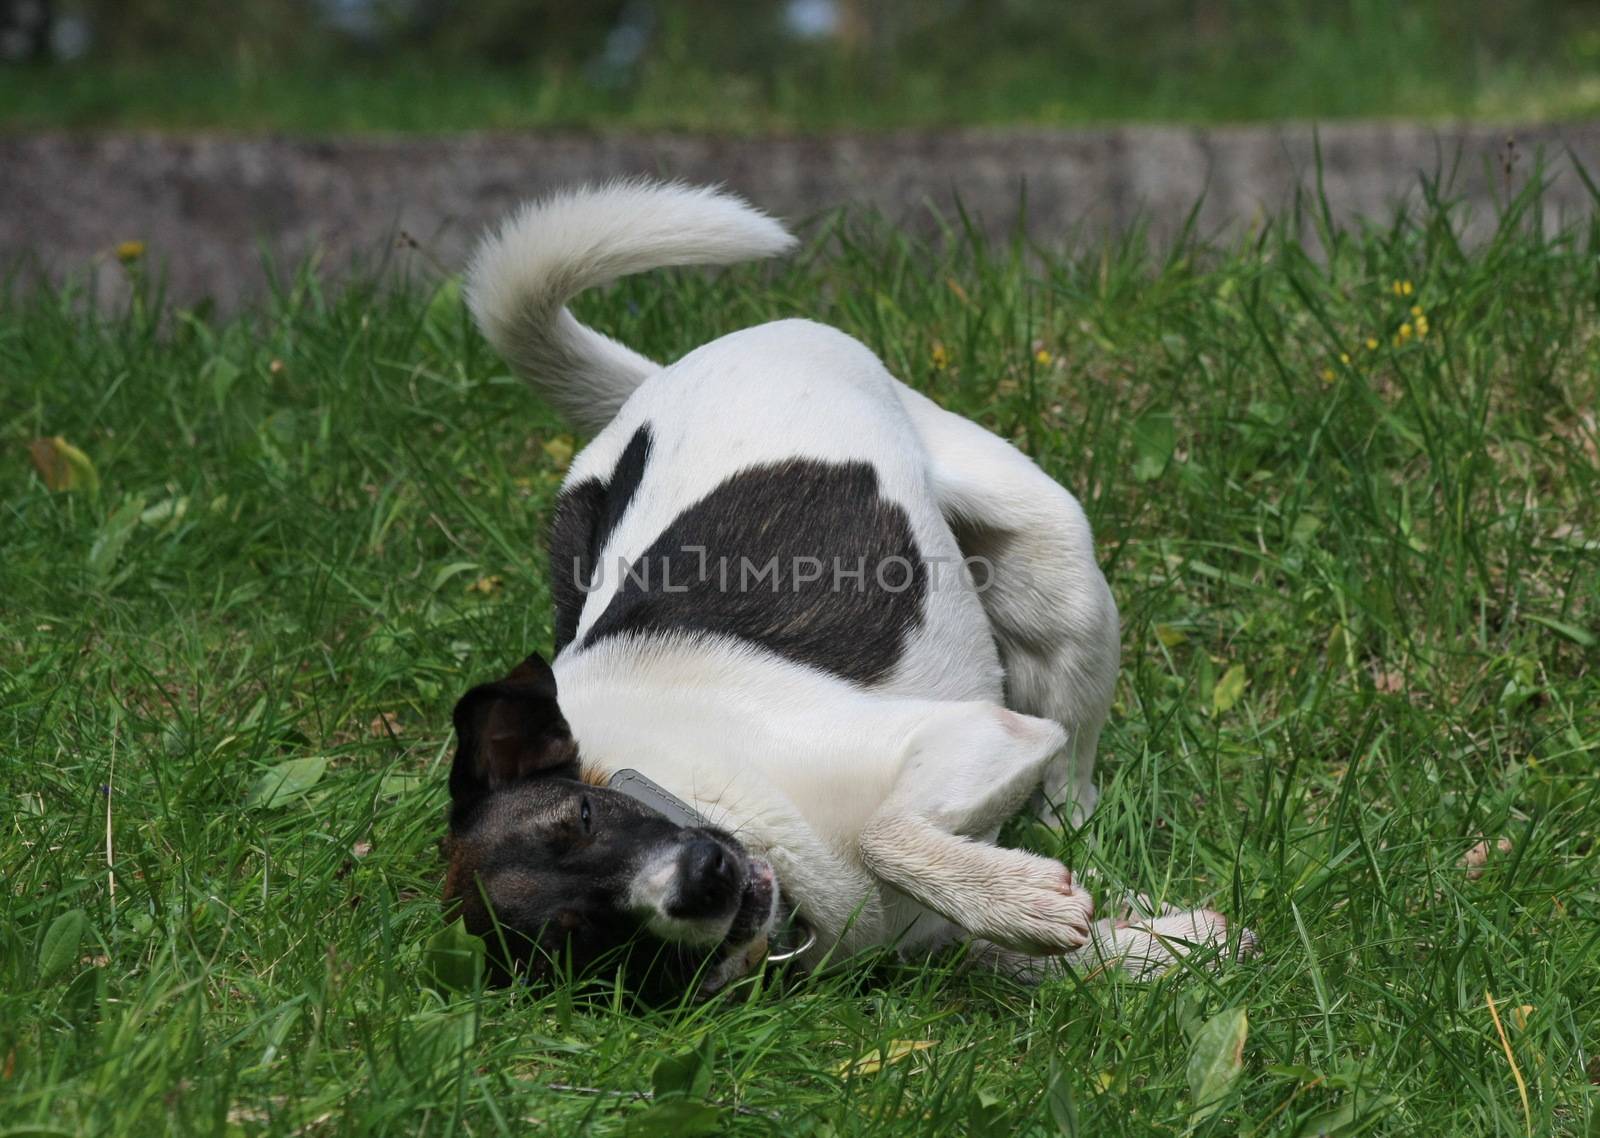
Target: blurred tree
25, 27
505, 32
260, 33
736, 63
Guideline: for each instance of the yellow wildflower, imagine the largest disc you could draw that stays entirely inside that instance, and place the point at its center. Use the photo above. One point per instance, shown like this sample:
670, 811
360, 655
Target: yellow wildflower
1327, 375
941, 358
558, 450
1405, 331
1416, 310
129, 251
1372, 343
1042, 357
1344, 358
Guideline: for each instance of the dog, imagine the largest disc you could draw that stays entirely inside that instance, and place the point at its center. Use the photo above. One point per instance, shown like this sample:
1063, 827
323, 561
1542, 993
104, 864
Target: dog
816, 640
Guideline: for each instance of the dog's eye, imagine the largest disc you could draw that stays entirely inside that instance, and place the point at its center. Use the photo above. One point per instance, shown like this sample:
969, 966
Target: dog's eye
583, 814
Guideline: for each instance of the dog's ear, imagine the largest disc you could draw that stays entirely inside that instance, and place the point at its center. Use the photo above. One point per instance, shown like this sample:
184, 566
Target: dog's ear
508, 731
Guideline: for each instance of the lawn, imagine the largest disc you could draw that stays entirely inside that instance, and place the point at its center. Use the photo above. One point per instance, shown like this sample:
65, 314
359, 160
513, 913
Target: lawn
527, 64
407, 96
1349, 505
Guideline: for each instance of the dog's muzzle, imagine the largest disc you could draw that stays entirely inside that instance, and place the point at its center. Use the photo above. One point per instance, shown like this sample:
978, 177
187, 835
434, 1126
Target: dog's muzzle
763, 928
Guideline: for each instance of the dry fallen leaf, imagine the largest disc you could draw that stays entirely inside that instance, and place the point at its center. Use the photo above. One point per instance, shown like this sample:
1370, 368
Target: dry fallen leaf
385, 724
62, 465
876, 1059
360, 850
1511, 1060
1388, 682
1477, 857
1169, 636
1229, 689
1216, 1059
485, 585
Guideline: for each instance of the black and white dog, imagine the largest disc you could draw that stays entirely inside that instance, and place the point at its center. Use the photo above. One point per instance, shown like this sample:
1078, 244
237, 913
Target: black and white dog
837, 634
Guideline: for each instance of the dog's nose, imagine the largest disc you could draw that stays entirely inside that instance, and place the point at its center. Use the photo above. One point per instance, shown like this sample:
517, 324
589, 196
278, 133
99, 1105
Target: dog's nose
706, 861
708, 879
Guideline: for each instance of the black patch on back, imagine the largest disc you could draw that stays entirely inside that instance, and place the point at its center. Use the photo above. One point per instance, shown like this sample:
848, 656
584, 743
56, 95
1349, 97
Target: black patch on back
762, 532
586, 516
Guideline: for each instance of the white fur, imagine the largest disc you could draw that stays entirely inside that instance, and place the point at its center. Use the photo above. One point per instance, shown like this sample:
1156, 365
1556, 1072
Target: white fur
1140, 947
652, 892
549, 251
877, 807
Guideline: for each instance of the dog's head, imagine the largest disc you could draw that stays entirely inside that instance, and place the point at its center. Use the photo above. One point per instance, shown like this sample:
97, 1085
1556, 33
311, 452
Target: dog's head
549, 867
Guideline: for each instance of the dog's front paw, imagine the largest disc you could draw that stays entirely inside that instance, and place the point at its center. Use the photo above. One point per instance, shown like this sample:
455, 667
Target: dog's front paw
1040, 909
1143, 946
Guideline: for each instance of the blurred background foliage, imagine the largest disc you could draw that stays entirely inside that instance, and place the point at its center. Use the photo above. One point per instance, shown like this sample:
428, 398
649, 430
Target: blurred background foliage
765, 64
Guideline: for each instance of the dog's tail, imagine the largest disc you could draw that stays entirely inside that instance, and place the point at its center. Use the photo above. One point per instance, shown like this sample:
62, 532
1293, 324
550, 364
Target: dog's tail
523, 274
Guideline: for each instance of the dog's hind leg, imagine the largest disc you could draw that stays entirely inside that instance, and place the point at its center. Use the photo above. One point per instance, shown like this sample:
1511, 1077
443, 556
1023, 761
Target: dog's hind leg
1140, 948
1031, 556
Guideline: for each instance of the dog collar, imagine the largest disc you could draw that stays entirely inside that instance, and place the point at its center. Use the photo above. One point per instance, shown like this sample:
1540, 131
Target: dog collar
658, 798
652, 794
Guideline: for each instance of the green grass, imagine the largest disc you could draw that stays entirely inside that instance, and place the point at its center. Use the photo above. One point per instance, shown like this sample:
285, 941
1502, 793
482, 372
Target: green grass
197, 95
1361, 604
517, 65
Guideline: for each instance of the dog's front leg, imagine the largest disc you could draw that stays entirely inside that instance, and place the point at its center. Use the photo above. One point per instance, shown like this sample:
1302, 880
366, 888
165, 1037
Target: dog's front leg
1023, 901
968, 768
